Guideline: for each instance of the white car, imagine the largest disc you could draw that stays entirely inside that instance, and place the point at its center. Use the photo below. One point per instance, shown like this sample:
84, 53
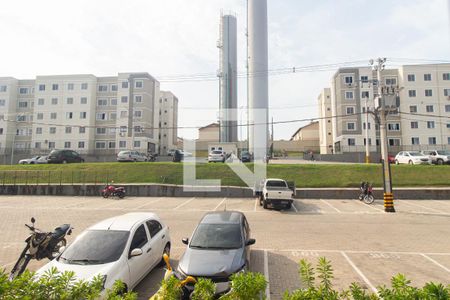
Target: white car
438, 157
125, 248
217, 156
412, 158
129, 155
33, 160
185, 153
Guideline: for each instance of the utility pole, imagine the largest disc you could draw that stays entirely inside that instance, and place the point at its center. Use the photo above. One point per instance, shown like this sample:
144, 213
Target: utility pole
388, 195
367, 133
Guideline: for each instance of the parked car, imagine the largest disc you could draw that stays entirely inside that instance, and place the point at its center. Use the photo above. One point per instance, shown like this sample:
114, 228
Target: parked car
63, 157
42, 160
125, 248
217, 156
246, 156
276, 193
412, 158
218, 248
129, 155
171, 152
438, 157
29, 161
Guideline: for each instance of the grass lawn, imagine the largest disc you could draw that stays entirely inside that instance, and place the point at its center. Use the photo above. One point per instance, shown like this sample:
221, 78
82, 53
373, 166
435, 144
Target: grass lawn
308, 175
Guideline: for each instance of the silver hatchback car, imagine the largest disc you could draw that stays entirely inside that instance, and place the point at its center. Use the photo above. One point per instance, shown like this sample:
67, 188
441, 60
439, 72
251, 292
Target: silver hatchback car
132, 156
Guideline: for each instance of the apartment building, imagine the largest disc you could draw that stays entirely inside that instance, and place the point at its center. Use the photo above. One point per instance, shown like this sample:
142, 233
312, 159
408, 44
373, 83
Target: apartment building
168, 123
325, 128
417, 121
89, 114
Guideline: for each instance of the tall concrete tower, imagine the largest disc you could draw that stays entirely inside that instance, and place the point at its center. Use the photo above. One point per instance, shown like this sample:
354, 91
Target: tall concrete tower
228, 79
258, 90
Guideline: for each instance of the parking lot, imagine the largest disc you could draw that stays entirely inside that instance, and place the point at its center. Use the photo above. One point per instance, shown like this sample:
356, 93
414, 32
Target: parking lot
364, 244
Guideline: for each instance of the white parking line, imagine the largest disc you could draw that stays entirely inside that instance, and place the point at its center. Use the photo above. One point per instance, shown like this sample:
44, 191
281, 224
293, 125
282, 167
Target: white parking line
421, 206
435, 262
266, 274
326, 202
363, 277
293, 206
150, 202
369, 205
256, 203
184, 203
218, 205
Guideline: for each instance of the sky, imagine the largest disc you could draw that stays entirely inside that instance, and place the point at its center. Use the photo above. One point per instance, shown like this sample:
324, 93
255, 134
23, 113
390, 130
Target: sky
178, 37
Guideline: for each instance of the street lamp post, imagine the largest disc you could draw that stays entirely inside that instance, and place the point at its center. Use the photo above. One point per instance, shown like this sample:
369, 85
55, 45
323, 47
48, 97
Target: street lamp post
367, 133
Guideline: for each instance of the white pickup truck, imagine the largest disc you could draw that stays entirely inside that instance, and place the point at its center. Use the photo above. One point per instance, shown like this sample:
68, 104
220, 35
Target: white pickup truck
276, 193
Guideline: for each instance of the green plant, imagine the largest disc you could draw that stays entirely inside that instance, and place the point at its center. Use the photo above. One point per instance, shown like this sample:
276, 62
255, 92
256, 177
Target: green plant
204, 290
246, 285
170, 289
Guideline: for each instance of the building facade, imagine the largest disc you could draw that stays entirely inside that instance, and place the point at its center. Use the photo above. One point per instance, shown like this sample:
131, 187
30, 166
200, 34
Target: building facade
168, 123
325, 128
91, 115
418, 118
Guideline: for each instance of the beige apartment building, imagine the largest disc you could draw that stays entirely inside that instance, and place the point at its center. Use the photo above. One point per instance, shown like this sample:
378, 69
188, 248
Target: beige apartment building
168, 124
418, 121
325, 128
91, 115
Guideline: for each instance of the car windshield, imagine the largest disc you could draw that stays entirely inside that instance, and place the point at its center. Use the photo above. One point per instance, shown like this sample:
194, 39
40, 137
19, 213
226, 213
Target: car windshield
96, 247
443, 152
217, 236
275, 184
415, 154
217, 152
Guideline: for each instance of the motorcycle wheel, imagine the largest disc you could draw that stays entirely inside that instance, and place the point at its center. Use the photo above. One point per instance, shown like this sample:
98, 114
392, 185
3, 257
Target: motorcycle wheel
20, 265
105, 194
121, 195
368, 199
55, 250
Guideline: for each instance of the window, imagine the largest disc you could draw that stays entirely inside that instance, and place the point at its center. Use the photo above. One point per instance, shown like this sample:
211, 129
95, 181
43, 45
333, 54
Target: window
42, 87
112, 145
412, 93
414, 125
2, 102
137, 144
431, 141
391, 81
82, 130
430, 108
351, 142
51, 145
23, 91
84, 86
427, 77
138, 129
139, 239
101, 116
80, 145
53, 116
83, 100
138, 99
55, 87
52, 130
428, 93
69, 115
21, 118
69, 100
67, 145
411, 77
39, 130
54, 101
446, 76
40, 116
68, 129
124, 114
370, 141
430, 124
113, 116
351, 126
101, 130
122, 144
83, 115
113, 101
348, 79
448, 125
41, 101
394, 127
350, 110
3, 88
124, 99
138, 113
124, 84
70, 86
446, 92
447, 108
139, 84
415, 141
368, 125
114, 87
365, 94
153, 227
349, 95
394, 142
102, 88
100, 145
364, 79
102, 102
23, 104
413, 109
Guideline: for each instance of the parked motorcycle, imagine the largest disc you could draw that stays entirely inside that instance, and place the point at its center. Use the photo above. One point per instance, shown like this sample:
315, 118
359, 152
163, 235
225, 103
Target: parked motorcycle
111, 190
41, 245
366, 192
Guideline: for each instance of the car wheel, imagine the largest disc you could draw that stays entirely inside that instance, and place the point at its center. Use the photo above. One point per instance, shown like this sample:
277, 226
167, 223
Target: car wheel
260, 201
165, 251
396, 162
289, 206
410, 162
264, 203
440, 162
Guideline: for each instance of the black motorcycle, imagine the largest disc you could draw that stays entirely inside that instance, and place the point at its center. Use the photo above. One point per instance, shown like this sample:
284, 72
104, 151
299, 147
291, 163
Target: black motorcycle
41, 245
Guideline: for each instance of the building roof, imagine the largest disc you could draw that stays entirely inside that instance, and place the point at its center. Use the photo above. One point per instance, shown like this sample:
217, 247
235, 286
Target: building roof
212, 125
304, 127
